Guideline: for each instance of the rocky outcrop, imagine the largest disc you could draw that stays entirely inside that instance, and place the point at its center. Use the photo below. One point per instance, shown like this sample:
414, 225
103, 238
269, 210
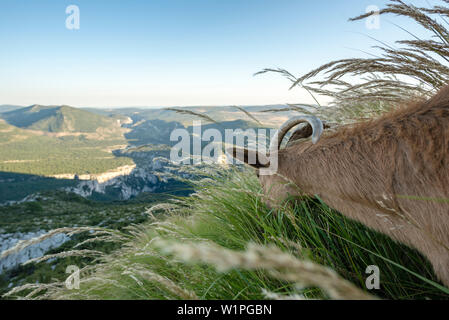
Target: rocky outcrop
102, 177
126, 186
30, 198
9, 240
151, 175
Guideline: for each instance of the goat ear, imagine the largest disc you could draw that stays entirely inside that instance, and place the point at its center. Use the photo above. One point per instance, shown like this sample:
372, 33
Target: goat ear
250, 157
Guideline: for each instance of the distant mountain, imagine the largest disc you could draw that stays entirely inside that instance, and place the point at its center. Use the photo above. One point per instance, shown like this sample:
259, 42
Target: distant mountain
152, 132
159, 131
4, 127
222, 126
8, 107
58, 119
218, 113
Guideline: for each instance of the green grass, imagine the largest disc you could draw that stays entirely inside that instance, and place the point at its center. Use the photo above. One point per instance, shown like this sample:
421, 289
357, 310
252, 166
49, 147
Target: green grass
58, 119
228, 212
15, 187
84, 149
57, 209
44, 155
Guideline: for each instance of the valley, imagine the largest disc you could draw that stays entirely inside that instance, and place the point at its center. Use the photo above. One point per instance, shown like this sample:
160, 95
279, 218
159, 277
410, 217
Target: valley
67, 167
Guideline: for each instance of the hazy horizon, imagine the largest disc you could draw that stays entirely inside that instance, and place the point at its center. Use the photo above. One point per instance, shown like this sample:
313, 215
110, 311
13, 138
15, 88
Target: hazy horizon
143, 107
177, 53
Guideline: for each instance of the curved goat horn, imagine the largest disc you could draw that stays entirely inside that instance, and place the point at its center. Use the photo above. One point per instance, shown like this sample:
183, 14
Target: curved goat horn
317, 130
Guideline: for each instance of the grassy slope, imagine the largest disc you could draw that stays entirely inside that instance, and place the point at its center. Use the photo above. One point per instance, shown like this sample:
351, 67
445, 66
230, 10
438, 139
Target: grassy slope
59, 209
24, 151
7, 107
57, 119
15, 187
229, 213
83, 150
42, 155
219, 114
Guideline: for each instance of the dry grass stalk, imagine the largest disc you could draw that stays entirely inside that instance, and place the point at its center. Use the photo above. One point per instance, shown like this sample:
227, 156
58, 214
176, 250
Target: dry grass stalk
279, 264
165, 207
26, 243
112, 239
275, 296
36, 289
64, 254
391, 77
173, 288
192, 113
249, 114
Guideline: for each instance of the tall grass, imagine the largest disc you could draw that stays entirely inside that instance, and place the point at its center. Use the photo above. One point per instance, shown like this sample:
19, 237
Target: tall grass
224, 243
393, 74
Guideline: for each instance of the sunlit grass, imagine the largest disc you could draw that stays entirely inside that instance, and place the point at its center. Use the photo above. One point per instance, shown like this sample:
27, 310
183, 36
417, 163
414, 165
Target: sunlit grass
227, 212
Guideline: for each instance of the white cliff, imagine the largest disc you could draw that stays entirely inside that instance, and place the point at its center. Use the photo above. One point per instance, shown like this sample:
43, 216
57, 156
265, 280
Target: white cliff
9, 240
101, 177
130, 183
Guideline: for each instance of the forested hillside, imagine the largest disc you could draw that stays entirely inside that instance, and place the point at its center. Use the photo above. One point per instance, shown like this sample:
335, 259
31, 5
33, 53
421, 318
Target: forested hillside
57, 119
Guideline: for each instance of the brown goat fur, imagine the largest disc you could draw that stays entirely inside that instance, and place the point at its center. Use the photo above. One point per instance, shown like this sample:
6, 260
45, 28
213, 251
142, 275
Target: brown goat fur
390, 173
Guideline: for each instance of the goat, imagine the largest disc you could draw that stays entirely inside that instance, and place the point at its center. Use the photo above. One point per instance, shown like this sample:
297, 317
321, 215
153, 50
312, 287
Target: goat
390, 173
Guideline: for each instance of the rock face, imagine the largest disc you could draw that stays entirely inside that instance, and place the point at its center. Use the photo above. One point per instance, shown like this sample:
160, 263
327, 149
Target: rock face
124, 186
30, 198
102, 177
151, 175
9, 240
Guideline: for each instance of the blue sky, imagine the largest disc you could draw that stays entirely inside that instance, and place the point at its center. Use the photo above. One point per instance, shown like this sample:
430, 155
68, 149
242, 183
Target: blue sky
174, 52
